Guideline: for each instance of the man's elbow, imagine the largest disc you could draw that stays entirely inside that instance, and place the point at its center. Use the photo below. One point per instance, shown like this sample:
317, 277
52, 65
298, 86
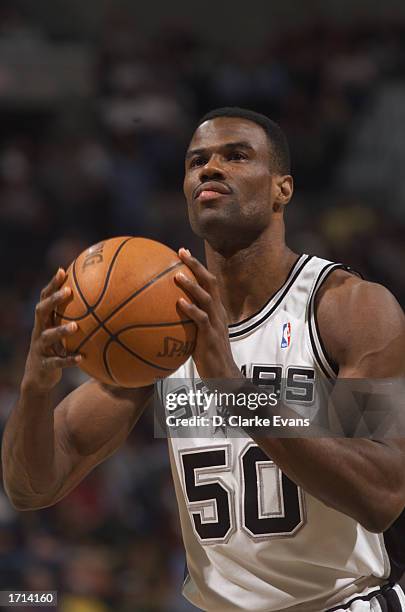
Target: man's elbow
384, 513
23, 507
20, 504
23, 502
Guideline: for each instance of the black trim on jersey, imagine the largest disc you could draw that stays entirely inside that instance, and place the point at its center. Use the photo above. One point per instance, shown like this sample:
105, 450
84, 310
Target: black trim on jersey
353, 271
330, 362
384, 594
316, 354
333, 366
382, 603
311, 311
295, 264
393, 601
394, 539
285, 288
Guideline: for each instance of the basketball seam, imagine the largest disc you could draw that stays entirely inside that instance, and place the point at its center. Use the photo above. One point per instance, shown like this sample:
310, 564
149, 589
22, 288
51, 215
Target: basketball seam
109, 271
90, 311
132, 352
148, 325
90, 308
113, 337
124, 346
105, 361
102, 322
138, 291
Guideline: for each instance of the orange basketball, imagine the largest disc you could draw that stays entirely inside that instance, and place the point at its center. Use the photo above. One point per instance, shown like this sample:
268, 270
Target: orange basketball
124, 302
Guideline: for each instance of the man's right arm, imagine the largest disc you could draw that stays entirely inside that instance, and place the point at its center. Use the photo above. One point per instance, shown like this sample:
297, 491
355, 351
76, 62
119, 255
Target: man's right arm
47, 451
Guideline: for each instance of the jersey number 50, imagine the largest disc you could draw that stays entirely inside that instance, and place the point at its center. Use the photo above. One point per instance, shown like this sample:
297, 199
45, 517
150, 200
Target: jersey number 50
271, 505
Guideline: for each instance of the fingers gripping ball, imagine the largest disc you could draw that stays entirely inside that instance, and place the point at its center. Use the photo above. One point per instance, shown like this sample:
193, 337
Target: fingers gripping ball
124, 303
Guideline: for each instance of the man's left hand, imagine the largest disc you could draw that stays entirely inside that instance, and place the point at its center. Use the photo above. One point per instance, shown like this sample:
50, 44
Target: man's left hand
212, 354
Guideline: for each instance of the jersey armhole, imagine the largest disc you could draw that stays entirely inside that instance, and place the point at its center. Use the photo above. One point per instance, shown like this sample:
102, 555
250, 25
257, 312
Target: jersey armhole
324, 361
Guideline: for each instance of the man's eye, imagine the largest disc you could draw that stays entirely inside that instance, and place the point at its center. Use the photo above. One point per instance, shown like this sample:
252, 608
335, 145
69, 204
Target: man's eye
197, 161
236, 156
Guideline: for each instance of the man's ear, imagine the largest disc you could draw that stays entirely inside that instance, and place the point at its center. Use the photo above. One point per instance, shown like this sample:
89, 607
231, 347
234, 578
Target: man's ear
284, 189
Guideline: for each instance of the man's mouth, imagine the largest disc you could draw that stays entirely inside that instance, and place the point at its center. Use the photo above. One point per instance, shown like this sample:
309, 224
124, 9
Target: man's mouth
211, 190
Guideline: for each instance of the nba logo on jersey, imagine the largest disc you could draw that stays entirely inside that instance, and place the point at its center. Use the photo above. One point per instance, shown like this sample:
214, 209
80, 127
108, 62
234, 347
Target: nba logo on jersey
286, 337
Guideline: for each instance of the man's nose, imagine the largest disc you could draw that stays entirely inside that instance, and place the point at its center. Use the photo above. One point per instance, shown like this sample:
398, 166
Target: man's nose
212, 170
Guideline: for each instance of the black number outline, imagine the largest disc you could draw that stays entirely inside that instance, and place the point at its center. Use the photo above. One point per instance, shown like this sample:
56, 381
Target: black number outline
263, 382
312, 382
280, 493
198, 506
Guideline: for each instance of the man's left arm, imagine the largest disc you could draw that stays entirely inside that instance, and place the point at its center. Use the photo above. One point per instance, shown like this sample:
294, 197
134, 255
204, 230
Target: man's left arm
363, 330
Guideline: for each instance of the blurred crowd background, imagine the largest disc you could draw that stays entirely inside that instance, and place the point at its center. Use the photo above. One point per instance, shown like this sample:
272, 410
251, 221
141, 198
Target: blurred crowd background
95, 117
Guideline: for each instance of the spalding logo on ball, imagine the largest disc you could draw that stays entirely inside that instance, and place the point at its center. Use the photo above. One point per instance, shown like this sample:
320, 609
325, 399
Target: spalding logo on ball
124, 303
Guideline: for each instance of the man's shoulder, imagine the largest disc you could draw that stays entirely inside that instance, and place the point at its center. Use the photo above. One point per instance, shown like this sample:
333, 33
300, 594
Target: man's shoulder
352, 311
344, 293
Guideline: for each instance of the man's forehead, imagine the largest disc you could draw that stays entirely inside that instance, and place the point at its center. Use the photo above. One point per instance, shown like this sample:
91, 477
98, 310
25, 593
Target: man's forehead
222, 130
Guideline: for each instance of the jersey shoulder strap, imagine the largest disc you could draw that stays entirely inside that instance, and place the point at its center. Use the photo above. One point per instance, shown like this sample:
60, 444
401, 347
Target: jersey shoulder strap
324, 270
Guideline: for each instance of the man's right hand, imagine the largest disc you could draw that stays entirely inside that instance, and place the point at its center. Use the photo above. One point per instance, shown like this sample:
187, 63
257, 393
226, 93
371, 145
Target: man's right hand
47, 355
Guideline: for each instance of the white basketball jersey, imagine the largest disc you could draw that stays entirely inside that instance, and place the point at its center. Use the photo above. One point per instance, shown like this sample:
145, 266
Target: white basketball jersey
254, 540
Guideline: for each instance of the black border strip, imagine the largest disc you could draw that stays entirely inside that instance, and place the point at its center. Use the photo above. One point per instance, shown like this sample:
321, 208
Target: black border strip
393, 600
286, 288
382, 602
334, 367
316, 354
368, 597
312, 317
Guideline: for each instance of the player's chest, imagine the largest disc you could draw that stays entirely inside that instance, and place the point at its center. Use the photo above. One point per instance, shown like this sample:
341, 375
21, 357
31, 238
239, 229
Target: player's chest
282, 340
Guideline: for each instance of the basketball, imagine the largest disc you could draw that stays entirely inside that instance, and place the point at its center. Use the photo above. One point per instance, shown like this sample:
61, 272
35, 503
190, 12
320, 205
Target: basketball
124, 296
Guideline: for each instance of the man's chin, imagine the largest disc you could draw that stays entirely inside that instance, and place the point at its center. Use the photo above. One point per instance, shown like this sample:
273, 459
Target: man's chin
211, 223
224, 237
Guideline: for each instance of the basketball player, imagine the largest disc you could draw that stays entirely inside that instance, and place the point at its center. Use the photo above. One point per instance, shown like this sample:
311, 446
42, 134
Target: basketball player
273, 524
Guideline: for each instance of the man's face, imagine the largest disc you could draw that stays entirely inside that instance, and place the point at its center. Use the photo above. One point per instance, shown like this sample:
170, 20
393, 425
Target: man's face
228, 182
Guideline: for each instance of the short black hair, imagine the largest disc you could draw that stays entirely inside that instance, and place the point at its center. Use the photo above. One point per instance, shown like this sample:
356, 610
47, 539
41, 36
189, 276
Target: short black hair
279, 149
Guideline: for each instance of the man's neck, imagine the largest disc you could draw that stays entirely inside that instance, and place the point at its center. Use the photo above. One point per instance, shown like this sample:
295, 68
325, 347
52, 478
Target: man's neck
247, 279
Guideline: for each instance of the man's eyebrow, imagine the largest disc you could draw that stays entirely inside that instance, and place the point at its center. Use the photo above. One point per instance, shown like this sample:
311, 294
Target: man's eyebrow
242, 144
